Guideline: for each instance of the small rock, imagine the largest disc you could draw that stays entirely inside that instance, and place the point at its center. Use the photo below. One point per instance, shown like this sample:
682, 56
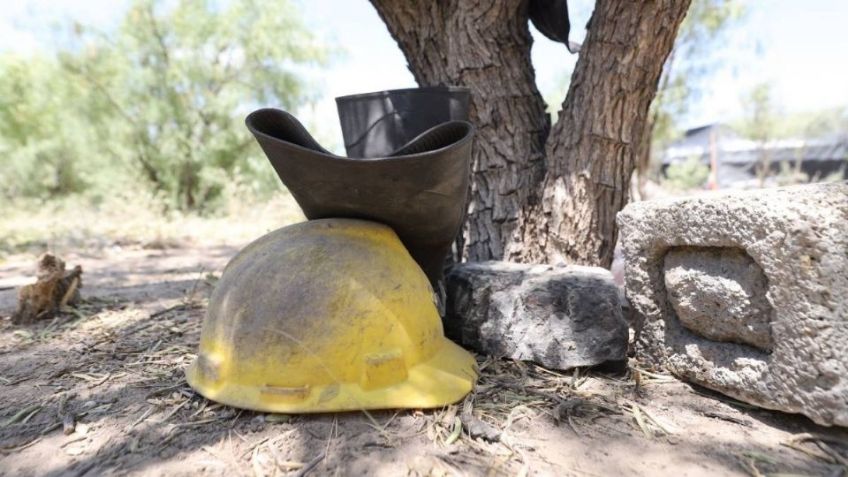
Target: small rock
277, 418
478, 429
558, 316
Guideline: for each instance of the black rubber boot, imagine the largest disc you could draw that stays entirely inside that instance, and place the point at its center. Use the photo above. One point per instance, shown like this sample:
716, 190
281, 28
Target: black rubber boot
378, 124
420, 190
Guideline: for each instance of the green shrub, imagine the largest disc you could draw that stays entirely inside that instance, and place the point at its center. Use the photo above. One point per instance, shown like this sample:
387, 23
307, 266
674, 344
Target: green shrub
158, 104
687, 175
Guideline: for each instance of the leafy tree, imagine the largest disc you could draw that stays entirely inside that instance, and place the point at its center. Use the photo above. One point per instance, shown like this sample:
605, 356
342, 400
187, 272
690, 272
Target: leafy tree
43, 144
765, 123
687, 175
829, 123
163, 96
760, 125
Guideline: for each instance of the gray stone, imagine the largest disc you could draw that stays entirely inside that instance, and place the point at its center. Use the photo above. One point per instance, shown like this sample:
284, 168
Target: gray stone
719, 293
746, 293
558, 316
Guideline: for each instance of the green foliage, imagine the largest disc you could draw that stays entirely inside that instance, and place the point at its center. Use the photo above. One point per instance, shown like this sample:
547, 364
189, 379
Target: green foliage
825, 123
687, 175
159, 102
759, 126
761, 121
764, 123
829, 123
42, 144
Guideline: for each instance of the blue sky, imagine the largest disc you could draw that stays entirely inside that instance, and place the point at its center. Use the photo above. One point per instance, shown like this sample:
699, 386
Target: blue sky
801, 47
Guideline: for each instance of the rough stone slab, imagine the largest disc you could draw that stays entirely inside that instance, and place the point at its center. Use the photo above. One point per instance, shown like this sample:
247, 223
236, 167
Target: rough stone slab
560, 317
719, 293
746, 293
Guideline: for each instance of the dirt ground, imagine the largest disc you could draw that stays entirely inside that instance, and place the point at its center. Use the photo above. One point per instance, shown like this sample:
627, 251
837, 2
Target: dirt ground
102, 392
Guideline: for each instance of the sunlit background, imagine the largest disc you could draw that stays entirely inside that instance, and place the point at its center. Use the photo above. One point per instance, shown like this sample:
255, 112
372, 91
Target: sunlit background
746, 77
799, 48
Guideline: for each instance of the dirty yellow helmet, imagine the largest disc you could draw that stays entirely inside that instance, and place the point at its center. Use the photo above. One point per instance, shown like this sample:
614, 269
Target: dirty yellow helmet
327, 315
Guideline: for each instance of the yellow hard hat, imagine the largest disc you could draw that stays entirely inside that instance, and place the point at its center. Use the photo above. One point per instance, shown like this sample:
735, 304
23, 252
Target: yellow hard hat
327, 315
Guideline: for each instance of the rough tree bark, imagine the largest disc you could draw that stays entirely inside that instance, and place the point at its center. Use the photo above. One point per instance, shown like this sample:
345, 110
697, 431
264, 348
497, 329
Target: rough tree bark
581, 168
484, 45
645, 150
592, 149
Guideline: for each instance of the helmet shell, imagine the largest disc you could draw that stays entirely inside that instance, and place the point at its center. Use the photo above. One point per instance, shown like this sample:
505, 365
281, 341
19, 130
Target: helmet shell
327, 315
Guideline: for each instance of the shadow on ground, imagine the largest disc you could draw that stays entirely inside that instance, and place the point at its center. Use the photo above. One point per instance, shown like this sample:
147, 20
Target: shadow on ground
116, 370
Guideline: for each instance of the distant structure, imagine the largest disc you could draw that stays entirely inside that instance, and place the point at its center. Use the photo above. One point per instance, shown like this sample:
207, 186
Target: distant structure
733, 160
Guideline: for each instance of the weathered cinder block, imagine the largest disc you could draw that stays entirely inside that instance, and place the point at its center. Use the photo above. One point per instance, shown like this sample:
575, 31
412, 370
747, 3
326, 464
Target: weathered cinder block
560, 317
746, 293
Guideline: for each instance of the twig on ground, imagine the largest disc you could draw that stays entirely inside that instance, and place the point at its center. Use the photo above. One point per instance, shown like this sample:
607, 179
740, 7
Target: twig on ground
69, 293
455, 432
195, 423
23, 446
637, 414
144, 416
377, 427
826, 453
177, 408
749, 466
655, 376
726, 417
159, 392
310, 465
71, 441
21, 414
182, 306
253, 446
663, 427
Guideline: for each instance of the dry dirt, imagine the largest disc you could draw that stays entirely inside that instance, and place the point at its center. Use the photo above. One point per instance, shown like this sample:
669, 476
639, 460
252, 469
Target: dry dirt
111, 375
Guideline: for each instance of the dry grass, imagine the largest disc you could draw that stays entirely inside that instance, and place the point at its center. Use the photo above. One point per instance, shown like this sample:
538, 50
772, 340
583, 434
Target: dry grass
136, 219
101, 388
125, 367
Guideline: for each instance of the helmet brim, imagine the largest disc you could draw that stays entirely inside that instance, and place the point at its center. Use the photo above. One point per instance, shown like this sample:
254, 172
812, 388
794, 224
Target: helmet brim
443, 379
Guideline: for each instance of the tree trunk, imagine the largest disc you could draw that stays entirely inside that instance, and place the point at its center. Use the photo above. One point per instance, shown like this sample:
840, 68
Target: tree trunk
581, 170
644, 154
484, 45
592, 148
